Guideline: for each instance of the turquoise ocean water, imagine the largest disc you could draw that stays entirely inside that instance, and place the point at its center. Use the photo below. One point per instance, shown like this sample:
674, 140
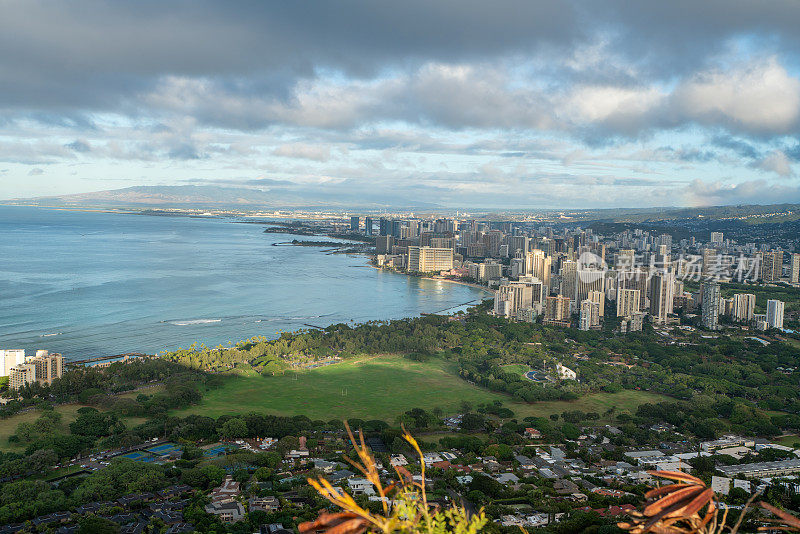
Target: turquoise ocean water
90, 284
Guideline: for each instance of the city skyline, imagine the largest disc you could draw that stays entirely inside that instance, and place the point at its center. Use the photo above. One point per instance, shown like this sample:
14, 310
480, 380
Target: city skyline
518, 104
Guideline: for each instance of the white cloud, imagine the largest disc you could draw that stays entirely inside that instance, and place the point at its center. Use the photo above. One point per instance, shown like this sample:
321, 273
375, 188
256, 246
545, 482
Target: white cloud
761, 97
777, 162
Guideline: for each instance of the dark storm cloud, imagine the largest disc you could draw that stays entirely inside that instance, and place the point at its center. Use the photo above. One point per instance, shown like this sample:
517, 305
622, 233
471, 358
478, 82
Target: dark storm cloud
92, 53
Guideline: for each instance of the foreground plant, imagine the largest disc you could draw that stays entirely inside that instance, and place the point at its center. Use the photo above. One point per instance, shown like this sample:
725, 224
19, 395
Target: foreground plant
404, 502
785, 521
678, 508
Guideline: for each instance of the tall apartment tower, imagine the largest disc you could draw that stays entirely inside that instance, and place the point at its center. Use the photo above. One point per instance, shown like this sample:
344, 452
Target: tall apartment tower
775, 314
710, 262
711, 296
354, 220
794, 268
662, 286
538, 264
429, 259
384, 226
510, 298
590, 315
627, 302
556, 311
599, 298
588, 281
368, 226
743, 307
568, 275
772, 266
9, 359
716, 238
48, 366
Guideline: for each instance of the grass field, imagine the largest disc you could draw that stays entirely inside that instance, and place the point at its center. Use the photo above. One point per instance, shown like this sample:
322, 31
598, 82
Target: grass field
788, 441
372, 388
381, 388
69, 412
516, 368
624, 401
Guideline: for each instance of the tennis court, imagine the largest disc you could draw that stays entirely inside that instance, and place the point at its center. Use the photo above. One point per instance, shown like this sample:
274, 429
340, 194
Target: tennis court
163, 449
218, 450
139, 456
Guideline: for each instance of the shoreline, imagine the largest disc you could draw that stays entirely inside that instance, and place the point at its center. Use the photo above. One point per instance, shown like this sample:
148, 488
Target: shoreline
459, 282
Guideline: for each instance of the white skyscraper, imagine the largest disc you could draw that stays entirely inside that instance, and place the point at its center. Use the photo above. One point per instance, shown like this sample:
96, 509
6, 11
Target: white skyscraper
775, 314
9, 359
743, 307
662, 286
794, 268
590, 315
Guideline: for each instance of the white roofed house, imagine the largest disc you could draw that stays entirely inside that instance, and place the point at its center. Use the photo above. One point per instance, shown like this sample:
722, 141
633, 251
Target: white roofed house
398, 460
361, 486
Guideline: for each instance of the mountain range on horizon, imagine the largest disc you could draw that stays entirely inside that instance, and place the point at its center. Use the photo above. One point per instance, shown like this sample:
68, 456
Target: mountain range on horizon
252, 198
222, 197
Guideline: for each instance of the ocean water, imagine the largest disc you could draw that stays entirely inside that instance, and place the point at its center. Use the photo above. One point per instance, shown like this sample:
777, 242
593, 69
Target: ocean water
89, 284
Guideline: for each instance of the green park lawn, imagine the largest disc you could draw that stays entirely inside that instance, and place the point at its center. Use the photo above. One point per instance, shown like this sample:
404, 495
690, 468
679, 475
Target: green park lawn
69, 412
516, 368
381, 388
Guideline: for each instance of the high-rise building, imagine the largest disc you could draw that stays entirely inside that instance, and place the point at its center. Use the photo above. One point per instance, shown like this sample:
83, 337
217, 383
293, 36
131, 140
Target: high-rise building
775, 314
518, 242
710, 263
368, 226
743, 307
396, 226
716, 238
384, 244
429, 259
538, 264
354, 223
489, 270
599, 298
711, 296
794, 268
538, 291
556, 311
772, 266
512, 297
589, 316
569, 271
662, 285
587, 281
384, 226
627, 302
9, 359
48, 366
635, 280
21, 375
625, 259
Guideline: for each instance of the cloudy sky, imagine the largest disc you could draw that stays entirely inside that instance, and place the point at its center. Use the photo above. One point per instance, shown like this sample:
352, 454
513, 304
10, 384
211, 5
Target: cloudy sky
501, 104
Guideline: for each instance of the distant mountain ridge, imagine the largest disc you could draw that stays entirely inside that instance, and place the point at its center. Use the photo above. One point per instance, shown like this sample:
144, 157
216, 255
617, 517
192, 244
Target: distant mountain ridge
220, 197
285, 195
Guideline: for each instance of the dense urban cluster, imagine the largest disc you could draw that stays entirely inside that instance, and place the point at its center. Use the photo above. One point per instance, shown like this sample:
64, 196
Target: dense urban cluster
566, 276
